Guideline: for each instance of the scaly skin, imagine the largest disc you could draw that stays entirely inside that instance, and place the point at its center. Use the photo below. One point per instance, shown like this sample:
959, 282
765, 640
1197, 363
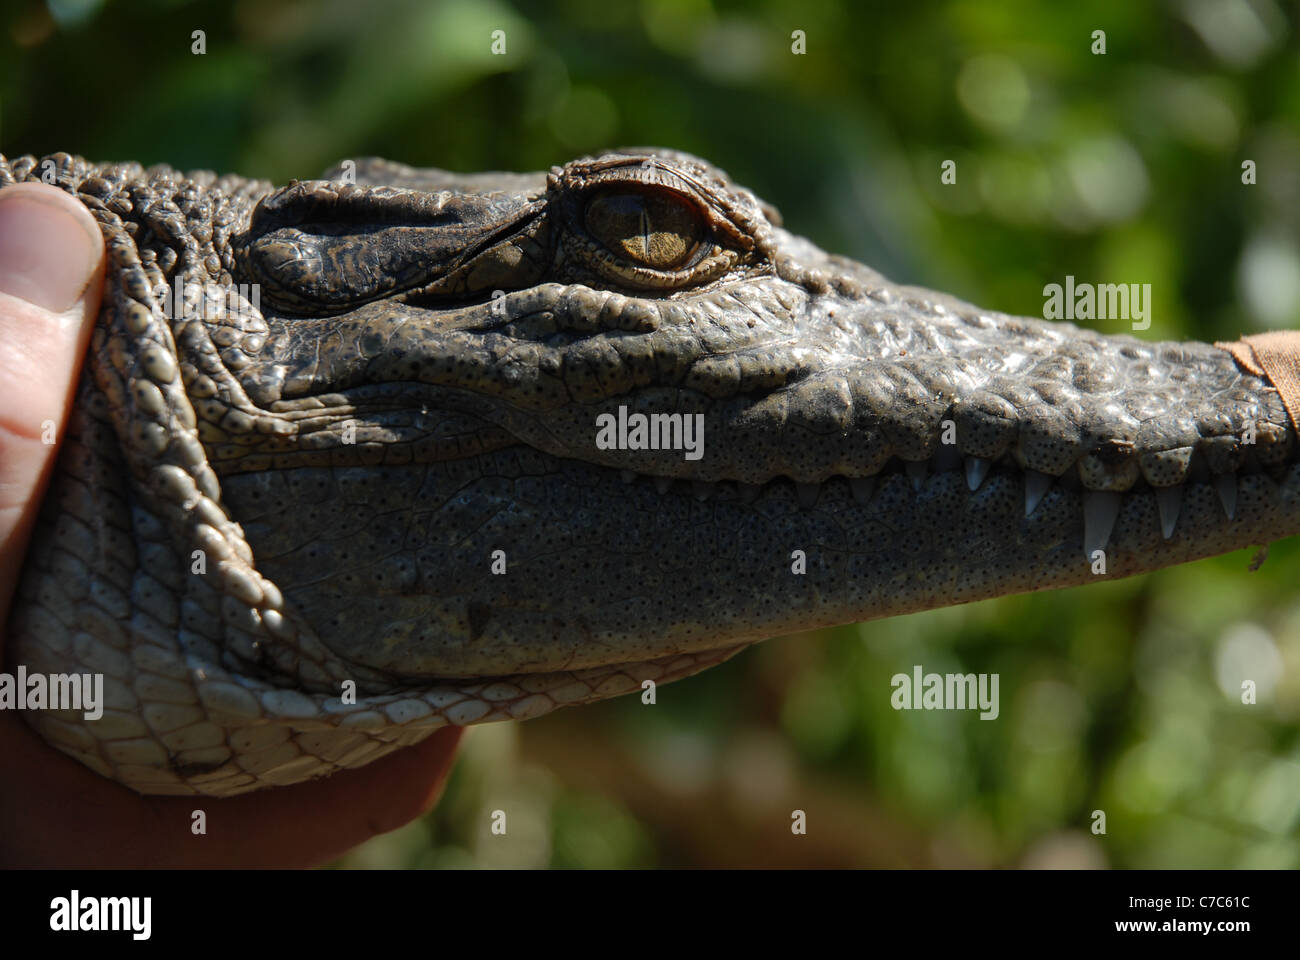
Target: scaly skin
387, 476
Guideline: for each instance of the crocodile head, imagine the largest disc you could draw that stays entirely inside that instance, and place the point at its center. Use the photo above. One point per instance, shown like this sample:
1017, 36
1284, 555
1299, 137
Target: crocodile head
616, 412
487, 444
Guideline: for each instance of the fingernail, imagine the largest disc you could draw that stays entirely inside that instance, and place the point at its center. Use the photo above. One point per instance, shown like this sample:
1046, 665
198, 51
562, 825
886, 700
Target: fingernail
46, 255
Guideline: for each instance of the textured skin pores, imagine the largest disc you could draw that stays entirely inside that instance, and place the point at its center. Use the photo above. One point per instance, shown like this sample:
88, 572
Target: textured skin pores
343, 436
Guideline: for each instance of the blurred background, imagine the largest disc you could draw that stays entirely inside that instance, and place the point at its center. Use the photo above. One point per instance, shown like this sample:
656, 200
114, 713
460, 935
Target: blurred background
1117, 167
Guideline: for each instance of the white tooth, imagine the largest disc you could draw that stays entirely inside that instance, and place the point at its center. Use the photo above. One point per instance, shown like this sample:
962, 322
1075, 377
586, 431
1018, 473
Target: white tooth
702, 489
916, 472
1036, 487
1226, 485
977, 468
807, 494
629, 476
1168, 499
862, 488
748, 492
1100, 508
663, 483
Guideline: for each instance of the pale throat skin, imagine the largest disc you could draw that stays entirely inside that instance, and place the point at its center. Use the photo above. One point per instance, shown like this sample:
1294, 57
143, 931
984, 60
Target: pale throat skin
382, 474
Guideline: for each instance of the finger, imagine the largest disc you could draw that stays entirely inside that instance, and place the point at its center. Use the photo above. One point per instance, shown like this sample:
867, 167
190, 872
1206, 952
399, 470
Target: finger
72, 817
51, 273
321, 820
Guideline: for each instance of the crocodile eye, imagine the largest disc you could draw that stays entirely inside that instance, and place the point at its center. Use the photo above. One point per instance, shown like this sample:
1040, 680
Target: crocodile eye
655, 230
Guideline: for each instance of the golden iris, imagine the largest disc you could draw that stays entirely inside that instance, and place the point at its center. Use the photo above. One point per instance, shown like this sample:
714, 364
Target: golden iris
650, 229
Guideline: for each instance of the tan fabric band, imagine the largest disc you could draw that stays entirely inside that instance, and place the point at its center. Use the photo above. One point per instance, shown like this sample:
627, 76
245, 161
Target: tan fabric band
1276, 357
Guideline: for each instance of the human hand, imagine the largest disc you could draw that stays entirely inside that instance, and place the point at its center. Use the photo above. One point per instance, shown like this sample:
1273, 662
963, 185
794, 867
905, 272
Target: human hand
53, 810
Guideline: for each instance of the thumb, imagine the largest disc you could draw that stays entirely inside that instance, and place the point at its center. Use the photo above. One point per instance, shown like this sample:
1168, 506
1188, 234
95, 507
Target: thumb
51, 269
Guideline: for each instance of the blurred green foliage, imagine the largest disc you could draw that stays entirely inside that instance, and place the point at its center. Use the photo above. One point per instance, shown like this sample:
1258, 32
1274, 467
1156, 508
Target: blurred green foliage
1117, 167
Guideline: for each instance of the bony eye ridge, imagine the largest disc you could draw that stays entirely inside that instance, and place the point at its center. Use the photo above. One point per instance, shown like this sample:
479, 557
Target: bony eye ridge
650, 229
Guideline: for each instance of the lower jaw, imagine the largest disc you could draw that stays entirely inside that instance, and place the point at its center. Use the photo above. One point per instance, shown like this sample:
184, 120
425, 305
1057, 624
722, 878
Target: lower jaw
601, 571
